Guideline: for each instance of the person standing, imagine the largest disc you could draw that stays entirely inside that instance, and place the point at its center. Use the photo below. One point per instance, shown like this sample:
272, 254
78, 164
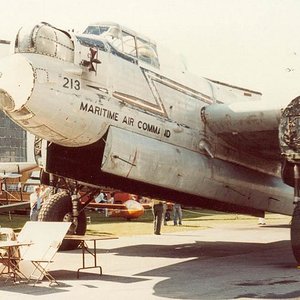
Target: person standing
177, 213
45, 192
35, 204
165, 208
157, 210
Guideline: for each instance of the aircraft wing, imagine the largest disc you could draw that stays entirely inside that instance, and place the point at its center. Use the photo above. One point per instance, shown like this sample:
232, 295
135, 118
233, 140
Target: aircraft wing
114, 206
251, 127
106, 205
15, 169
14, 206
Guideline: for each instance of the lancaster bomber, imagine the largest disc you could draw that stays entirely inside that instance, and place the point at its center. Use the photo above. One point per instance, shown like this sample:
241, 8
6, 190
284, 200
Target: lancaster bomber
111, 108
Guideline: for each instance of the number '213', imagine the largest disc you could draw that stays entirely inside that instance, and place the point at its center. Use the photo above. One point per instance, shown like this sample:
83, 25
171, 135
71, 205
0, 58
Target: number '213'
70, 83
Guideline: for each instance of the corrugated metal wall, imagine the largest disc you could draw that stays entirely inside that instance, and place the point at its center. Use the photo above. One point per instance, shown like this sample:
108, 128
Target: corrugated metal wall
13, 141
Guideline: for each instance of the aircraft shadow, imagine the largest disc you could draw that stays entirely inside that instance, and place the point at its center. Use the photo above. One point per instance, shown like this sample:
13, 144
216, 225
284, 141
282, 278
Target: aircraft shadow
209, 270
189, 250
222, 270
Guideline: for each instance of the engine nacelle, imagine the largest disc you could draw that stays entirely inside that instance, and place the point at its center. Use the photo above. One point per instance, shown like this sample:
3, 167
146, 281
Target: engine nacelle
289, 140
46, 40
240, 117
289, 131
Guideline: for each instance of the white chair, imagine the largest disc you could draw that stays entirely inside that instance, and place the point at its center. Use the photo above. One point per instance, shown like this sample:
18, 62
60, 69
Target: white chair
41, 257
45, 239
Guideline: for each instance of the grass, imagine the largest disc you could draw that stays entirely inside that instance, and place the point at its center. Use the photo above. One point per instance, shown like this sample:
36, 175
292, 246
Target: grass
14, 221
142, 225
193, 219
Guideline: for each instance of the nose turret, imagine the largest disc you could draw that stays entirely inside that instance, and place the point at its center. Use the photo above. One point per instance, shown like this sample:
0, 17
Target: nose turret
289, 131
46, 40
32, 91
16, 82
43, 89
17, 75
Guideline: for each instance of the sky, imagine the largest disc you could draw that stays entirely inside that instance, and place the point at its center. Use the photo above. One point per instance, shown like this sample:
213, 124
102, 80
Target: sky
249, 43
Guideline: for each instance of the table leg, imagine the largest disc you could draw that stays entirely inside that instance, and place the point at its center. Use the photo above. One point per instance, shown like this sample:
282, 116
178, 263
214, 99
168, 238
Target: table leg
85, 248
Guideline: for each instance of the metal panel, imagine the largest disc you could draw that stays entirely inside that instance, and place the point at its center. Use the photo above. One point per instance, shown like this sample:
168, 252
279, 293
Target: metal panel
140, 158
144, 159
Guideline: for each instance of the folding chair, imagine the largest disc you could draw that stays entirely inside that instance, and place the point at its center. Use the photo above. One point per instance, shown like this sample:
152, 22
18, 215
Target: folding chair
9, 256
41, 260
45, 238
6, 234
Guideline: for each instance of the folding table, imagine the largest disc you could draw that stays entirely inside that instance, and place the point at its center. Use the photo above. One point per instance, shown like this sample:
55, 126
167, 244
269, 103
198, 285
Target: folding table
85, 249
11, 259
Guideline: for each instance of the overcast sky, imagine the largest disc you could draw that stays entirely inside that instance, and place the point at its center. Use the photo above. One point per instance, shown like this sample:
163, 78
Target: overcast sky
250, 43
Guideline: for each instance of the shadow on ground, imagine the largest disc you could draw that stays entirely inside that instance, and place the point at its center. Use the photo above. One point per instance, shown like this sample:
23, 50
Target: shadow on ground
207, 270
231, 269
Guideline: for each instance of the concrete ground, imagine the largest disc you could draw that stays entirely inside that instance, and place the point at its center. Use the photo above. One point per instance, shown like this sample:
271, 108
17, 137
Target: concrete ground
229, 260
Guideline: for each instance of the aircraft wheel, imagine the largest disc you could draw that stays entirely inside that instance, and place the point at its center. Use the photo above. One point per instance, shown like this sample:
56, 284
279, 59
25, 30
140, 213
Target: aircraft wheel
295, 232
58, 207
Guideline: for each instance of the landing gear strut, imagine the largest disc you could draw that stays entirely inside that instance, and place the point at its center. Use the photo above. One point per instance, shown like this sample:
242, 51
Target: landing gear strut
289, 141
295, 224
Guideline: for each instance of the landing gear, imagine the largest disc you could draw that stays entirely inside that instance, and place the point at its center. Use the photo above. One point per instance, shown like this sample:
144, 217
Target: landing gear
295, 232
295, 224
58, 207
289, 141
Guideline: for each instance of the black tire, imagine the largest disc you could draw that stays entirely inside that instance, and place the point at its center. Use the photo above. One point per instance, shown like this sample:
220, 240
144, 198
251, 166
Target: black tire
58, 207
295, 232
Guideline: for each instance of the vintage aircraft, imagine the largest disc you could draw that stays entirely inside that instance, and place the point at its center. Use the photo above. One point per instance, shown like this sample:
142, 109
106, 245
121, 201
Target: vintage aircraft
17, 180
129, 210
124, 205
111, 109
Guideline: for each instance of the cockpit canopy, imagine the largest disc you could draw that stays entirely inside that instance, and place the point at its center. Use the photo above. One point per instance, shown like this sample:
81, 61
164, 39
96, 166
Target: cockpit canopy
126, 41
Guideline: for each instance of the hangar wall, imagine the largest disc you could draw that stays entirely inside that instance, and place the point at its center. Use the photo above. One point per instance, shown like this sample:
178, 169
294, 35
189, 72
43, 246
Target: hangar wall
13, 141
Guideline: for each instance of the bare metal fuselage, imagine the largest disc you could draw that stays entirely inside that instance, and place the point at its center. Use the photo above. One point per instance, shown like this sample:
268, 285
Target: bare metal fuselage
142, 125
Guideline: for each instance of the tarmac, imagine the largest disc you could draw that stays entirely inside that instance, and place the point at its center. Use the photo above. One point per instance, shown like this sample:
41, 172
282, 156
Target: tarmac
228, 260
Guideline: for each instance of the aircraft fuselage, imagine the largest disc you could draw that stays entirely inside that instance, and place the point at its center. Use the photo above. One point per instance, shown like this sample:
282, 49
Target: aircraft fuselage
112, 117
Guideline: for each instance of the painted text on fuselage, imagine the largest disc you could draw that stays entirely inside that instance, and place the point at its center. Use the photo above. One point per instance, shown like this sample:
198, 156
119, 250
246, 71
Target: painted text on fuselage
100, 111
127, 120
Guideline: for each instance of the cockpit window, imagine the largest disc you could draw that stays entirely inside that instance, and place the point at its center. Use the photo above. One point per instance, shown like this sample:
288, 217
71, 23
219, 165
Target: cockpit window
129, 46
91, 43
147, 52
127, 43
97, 30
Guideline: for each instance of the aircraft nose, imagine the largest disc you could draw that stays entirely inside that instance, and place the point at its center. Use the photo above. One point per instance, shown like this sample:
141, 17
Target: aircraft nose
16, 82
